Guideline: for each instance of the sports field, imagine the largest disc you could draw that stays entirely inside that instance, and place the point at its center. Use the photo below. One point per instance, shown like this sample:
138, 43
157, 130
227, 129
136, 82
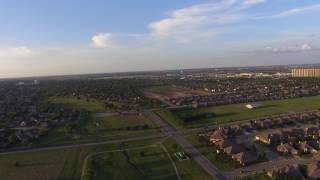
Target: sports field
238, 112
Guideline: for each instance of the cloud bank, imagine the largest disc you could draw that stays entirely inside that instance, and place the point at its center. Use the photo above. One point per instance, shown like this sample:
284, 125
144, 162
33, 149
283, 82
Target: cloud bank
102, 40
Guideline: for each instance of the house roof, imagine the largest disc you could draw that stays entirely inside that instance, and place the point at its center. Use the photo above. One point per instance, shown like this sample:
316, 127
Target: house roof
285, 147
246, 156
218, 135
234, 149
224, 143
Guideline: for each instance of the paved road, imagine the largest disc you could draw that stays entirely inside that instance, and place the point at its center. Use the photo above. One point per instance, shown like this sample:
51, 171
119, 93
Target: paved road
189, 148
82, 145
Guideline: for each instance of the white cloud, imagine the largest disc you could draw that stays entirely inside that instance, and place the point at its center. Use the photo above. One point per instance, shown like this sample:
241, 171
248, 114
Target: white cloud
102, 40
299, 10
200, 21
253, 2
300, 48
21, 51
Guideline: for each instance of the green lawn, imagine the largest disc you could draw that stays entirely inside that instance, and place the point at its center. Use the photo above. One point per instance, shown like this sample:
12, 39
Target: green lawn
170, 118
221, 161
93, 106
238, 112
55, 164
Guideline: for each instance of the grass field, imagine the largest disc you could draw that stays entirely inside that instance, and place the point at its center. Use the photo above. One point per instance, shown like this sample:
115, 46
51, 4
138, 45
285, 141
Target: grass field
145, 163
238, 112
57, 164
121, 126
170, 118
222, 162
257, 176
93, 106
105, 128
188, 169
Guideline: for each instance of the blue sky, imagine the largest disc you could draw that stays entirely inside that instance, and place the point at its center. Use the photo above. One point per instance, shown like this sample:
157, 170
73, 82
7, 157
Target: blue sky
44, 37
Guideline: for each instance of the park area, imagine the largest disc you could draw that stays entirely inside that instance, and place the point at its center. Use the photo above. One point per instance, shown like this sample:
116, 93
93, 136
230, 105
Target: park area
238, 112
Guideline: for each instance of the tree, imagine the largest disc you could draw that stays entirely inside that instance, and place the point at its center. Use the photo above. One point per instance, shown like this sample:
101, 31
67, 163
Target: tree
16, 164
142, 153
175, 147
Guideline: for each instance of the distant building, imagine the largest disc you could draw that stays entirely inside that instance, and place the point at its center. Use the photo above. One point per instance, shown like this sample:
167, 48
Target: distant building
307, 72
36, 82
253, 105
20, 84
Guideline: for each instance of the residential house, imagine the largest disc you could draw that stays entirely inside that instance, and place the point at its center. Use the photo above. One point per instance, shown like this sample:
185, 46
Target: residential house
287, 149
267, 138
288, 172
313, 171
245, 157
233, 149
305, 148
217, 136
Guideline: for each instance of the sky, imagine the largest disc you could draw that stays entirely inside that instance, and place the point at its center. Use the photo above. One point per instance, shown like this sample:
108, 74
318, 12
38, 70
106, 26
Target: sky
45, 37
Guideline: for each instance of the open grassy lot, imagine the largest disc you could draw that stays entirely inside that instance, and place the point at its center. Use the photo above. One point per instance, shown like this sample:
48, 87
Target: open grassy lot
145, 163
188, 169
91, 105
221, 161
170, 118
238, 112
104, 128
257, 176
56, 164
168, 91
121, 126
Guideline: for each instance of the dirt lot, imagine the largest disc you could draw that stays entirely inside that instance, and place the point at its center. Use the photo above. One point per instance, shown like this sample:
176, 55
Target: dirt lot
166, 92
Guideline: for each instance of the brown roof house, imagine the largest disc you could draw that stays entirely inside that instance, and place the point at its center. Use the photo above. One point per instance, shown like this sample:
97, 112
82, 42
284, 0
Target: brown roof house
287, 149
217, 135
223, 144
313, 170
245, 157
289, 172
267, 138
233, 149
304, 147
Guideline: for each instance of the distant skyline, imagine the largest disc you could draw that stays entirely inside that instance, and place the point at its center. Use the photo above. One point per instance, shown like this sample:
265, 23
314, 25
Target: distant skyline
42, 37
